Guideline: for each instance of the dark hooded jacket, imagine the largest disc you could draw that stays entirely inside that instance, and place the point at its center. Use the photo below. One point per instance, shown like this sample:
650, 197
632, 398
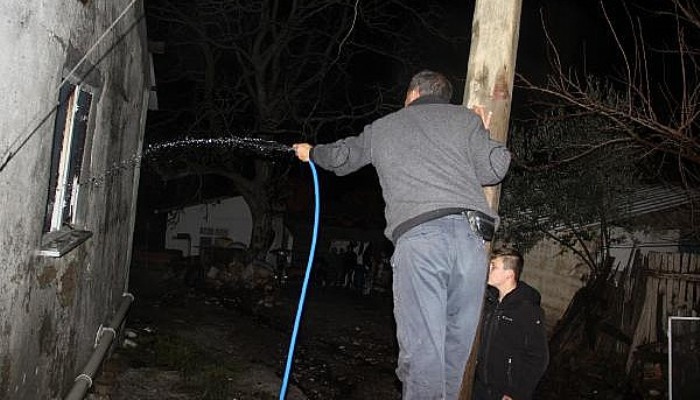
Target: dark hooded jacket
513, 354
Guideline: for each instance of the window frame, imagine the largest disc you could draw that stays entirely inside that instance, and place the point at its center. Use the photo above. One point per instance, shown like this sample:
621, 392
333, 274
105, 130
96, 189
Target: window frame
73, 131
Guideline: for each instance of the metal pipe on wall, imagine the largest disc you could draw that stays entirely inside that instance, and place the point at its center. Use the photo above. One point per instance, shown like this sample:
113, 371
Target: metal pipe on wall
83, 382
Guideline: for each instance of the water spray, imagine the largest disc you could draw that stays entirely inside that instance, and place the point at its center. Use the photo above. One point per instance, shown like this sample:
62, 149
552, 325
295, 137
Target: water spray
256, 146
246, 145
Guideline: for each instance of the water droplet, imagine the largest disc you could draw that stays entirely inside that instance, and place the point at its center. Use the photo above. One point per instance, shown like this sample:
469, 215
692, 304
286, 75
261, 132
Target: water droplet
168, 151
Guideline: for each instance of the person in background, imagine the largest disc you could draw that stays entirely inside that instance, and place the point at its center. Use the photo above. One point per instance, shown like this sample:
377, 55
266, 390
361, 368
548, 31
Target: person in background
349, 260
513, 353
432, 159
335, 267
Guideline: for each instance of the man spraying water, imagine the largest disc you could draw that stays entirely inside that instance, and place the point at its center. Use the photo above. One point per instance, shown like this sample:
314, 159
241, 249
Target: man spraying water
432, 159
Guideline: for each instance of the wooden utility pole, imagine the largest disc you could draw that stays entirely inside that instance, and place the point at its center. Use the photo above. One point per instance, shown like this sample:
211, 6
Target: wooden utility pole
489, 84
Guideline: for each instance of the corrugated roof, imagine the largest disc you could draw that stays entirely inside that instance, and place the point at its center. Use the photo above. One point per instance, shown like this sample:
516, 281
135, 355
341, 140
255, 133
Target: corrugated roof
657, 198
643, 203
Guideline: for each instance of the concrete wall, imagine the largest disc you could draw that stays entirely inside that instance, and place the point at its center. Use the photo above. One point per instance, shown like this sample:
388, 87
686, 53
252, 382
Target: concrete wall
51, 308
228, 219
558, 273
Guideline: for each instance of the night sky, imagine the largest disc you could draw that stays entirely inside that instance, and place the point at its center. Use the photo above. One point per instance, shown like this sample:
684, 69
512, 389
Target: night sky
576, 26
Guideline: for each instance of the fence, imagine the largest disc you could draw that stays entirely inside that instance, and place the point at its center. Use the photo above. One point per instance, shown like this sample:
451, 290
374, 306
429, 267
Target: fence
683, 357
672, 288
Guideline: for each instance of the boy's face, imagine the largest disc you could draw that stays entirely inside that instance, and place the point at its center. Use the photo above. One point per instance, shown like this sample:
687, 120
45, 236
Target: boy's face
497, 274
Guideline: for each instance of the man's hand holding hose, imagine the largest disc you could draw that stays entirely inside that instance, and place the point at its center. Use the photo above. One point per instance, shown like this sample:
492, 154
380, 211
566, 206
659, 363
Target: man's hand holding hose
302, 151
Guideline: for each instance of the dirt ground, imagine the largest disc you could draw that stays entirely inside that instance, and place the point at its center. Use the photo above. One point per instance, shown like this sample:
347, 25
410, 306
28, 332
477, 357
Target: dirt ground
186, 343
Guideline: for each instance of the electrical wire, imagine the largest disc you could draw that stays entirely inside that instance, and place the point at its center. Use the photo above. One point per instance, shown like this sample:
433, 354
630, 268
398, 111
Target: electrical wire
302, 296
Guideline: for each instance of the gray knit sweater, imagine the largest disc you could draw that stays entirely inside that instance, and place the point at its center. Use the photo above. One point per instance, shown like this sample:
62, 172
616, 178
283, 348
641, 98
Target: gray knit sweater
428, 156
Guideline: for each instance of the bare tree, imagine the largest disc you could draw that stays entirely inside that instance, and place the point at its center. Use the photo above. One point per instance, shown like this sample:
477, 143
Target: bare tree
654, 96
591, 139
269, 68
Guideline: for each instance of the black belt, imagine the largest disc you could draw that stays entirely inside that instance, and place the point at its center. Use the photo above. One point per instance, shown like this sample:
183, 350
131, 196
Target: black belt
481, 223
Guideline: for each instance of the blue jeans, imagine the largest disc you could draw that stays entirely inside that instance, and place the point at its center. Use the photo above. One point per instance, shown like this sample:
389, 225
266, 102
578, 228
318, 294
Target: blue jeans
440, 272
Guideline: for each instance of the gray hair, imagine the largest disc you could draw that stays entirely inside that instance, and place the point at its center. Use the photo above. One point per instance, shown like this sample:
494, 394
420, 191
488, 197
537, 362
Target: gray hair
431, 83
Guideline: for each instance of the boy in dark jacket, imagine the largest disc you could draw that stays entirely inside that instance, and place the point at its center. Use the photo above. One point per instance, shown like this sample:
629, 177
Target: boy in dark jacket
513, 352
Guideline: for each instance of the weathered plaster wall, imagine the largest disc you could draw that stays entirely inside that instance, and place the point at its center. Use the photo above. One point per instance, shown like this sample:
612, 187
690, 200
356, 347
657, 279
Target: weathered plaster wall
51, 308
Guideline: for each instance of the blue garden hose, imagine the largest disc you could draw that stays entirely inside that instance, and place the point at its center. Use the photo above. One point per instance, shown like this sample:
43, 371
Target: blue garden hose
302, 296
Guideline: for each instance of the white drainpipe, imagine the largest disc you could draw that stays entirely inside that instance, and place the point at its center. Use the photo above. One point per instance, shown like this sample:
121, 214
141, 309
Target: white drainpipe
105, 335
